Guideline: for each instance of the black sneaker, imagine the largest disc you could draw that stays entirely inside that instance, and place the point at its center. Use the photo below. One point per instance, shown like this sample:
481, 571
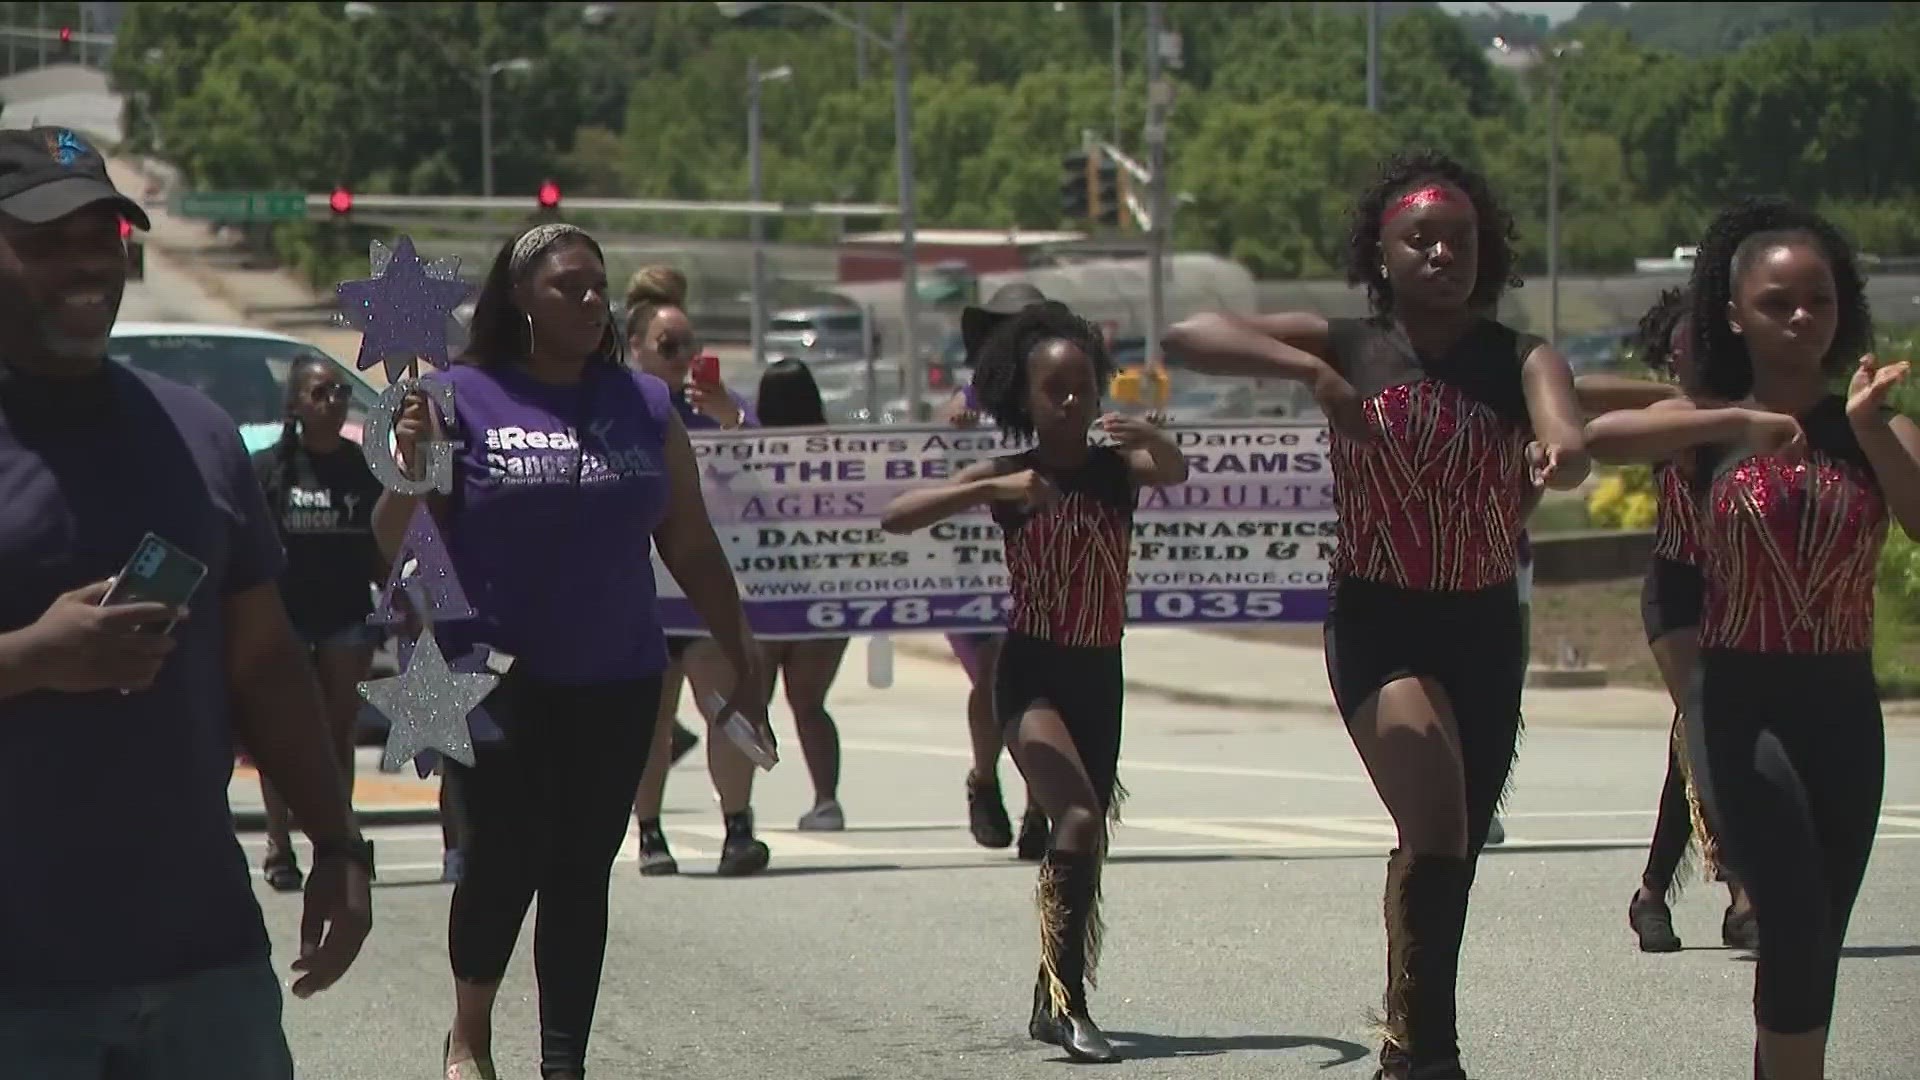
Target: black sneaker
741, 854
1738, 930
987, 814
1035, 833
684, 740
655, 859
1652, 923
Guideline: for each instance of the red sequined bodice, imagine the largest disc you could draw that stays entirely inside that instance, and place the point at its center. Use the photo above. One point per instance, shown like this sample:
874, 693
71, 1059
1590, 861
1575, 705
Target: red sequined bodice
1791, 553
1434, 501
1676, 529
1067, 564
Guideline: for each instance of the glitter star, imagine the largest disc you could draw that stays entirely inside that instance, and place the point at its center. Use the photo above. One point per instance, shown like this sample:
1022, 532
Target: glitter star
427, 705
402, 311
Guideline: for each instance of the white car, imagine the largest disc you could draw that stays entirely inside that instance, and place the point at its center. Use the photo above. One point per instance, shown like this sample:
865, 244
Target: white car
242, 369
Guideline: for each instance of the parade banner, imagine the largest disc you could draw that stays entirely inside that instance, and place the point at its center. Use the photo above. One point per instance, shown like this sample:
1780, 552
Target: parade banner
1246, 540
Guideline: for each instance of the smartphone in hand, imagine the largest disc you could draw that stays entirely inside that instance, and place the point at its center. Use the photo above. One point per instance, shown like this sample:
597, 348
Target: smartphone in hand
705, 370
158, 572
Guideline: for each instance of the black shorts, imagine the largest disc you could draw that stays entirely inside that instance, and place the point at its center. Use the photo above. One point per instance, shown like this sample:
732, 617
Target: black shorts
1084, 684
677, 646
1469, 642
1671, 598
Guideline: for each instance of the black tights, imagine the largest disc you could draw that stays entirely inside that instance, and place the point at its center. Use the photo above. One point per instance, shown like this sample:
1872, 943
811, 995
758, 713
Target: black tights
1789, 757
1672, 830
546, 814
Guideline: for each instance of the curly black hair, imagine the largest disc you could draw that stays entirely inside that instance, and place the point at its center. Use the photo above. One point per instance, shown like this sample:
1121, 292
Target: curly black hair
1739, 235
1000, 374
1402, 173
1653, 343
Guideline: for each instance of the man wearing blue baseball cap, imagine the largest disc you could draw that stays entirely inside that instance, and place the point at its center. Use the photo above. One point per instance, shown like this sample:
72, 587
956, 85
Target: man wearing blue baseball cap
131, 943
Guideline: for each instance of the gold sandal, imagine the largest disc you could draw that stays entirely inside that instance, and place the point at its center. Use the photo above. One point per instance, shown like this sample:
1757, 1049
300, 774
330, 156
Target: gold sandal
468, 1069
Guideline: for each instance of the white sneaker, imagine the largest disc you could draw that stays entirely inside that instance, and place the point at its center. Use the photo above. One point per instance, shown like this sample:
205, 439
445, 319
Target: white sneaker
824, 817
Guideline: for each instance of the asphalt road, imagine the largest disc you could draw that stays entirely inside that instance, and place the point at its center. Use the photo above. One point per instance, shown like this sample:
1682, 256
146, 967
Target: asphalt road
1244, 919
1244, 926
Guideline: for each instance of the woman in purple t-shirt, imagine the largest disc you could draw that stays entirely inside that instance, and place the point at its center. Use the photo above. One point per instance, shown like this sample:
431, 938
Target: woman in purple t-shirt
569, 467
661, 342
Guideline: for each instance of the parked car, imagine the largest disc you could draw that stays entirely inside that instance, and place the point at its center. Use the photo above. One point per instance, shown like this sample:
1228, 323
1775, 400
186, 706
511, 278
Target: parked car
821, 334
242, 369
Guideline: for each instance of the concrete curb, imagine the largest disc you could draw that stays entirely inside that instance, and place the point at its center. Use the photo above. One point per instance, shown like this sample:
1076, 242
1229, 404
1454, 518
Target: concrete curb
255, 820
1178, 695
1901, 711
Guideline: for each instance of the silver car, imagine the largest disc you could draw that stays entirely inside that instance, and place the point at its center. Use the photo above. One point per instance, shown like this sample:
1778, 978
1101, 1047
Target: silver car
821, 334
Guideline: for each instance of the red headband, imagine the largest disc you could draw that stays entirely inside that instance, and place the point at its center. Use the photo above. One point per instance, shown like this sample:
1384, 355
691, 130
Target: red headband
1432, 195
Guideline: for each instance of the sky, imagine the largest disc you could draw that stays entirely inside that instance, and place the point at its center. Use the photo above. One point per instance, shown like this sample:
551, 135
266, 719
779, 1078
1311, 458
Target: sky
1558, 12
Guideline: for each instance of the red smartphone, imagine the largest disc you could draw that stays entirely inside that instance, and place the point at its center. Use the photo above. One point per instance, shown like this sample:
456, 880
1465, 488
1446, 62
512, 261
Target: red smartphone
705, 369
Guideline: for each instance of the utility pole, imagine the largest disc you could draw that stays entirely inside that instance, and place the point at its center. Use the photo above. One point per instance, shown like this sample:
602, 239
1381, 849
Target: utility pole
860, 45
1159, 94
1373, 56
1553, 200
1118, 68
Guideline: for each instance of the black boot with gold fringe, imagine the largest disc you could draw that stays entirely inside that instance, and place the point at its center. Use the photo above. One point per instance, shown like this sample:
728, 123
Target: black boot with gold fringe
1426, 911
1069, 898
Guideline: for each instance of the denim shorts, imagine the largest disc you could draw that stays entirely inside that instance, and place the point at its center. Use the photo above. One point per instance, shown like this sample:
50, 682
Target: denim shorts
353, 635
222, 1024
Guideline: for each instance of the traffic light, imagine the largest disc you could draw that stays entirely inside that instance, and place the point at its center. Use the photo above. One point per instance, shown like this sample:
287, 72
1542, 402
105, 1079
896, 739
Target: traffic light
126, 228
548, 195
341, 201
1075, 186
1107, 206
66, 35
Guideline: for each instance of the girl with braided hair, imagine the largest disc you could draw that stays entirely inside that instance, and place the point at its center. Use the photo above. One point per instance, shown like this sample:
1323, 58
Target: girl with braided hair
322, 495
1066, 507
1443, 423
1795, 486
1670, 612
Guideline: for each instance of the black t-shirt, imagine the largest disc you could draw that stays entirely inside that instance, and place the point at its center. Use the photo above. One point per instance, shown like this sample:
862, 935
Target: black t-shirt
137, 878
324, 508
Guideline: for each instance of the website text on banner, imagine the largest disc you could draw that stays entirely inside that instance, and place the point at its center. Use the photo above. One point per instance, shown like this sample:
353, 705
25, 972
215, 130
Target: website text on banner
1246, 540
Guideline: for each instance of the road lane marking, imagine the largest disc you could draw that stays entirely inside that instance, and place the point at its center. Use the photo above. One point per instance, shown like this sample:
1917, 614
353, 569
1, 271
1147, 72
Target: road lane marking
1127, 764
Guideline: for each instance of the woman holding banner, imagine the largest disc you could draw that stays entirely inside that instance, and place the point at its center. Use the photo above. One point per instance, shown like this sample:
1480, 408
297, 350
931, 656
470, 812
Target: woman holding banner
1066, 509
789, 398
661, 343
551, 540
1441, 418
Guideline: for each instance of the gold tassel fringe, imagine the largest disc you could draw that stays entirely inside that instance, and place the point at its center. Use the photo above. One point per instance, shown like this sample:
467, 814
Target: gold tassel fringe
1702, 832
1051, 899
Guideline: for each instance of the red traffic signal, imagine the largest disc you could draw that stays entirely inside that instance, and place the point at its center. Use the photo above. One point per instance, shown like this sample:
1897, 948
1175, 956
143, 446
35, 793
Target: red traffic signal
126, 228
66, 35
549, 195
341, 201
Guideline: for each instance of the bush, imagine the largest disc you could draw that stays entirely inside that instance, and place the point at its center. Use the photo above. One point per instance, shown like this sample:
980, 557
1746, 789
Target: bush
1625, 499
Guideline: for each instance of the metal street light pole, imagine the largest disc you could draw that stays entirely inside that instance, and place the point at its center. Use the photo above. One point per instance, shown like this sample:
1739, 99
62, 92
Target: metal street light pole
1373, 57
518, 63
1157, 96
1553, 201
1117, 73
758, 224
903, 143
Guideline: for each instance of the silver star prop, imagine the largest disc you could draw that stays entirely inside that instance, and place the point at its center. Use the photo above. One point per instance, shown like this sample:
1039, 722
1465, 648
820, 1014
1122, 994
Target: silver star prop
426, 706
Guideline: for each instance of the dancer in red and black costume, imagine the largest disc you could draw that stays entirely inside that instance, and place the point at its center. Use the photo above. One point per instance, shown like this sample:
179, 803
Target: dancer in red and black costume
1066, 508
1442, 419
1670, 612
1796, 485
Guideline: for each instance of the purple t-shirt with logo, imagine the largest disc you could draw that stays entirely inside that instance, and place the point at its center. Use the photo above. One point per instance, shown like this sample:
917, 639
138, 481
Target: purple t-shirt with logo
115, 837
551, 535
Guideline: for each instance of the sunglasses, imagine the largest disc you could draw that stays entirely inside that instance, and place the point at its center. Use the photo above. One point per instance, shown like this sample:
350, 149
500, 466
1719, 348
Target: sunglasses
675, 348
329, 393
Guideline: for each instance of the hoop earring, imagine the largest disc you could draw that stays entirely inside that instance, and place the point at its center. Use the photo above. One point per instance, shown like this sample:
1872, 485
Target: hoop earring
529, 319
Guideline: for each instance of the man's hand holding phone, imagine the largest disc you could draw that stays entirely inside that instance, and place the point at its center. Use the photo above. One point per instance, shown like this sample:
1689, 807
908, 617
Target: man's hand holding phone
82, 646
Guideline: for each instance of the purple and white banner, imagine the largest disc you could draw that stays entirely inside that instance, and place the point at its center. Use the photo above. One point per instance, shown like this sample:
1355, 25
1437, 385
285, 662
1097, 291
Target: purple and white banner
1246, 540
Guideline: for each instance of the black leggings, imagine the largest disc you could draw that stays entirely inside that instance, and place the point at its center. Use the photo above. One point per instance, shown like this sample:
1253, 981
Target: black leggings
1672, 830
546, 813
1468, 642
1789, 756
1084, 684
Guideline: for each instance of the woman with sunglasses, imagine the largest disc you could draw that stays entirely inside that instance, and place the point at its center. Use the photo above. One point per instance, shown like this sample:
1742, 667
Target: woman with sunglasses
661, 342
322, 494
